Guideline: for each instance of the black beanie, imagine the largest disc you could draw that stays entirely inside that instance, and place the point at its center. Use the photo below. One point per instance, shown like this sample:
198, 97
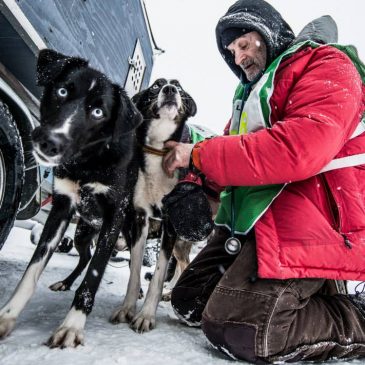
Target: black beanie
259, 16
230, 34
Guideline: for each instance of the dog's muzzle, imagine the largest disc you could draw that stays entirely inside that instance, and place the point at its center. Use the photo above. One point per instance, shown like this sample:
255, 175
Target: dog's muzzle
47, 144
170, 96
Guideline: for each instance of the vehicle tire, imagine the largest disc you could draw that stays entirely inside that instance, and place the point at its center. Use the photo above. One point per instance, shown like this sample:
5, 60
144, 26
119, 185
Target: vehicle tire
11, 171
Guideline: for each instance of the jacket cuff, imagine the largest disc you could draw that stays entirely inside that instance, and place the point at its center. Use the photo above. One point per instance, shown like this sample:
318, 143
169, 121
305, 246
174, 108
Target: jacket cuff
195, 163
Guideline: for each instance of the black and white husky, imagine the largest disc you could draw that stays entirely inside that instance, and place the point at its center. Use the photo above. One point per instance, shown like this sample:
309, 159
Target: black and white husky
87, 134
165, 107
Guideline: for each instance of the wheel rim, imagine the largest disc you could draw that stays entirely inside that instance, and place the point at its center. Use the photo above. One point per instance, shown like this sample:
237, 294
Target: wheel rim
2, 177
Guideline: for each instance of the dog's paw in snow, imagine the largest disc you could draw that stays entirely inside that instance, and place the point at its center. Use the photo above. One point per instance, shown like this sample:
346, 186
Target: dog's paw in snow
59, 286
6, 326
66, 337
166, 297
71, 332
143, 322
123, 314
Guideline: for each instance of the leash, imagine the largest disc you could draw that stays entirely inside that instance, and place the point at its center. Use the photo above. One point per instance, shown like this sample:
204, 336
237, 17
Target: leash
47, 171
154, 151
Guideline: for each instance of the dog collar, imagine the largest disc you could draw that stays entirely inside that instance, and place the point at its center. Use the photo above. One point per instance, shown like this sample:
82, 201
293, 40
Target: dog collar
155, 151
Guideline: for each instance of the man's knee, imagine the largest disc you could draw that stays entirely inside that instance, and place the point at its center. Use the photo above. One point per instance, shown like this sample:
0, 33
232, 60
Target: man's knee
233, 321
236, 340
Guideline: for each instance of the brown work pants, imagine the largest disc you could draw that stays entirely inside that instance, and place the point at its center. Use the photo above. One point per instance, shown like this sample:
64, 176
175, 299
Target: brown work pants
265, 320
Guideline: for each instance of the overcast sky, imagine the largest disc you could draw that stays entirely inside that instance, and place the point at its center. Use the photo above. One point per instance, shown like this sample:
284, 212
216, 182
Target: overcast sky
185, 29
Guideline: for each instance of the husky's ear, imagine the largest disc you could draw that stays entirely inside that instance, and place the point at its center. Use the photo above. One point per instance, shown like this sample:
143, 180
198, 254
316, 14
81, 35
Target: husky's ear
128, 117
137, 99
51, 63
189, 104
144, 103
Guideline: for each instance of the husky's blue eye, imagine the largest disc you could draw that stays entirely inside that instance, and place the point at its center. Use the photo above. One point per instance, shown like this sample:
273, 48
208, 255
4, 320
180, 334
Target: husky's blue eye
97, 113
62, 92
155, 87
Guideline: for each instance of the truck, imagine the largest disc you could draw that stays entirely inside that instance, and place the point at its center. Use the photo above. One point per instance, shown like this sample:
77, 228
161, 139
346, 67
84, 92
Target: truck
114, 36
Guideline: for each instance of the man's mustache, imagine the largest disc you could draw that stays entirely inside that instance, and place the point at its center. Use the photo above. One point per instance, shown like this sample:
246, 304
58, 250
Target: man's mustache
246, 64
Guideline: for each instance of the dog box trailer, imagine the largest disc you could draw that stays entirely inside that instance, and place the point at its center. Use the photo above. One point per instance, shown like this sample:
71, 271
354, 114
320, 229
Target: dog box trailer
113, 35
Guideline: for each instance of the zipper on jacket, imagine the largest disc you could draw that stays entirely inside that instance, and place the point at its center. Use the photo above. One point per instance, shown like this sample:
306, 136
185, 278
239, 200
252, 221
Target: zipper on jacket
334, 212
331, 205
347, 241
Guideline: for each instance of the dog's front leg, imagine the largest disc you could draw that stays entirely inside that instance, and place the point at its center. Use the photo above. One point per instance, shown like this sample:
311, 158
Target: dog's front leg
53, 231
145, 320
127, 310
83, 239
71, 332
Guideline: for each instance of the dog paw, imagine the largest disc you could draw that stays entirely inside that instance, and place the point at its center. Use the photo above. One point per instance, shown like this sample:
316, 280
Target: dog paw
123, 315
143, 323
6, 326
66, 337
59, 286
166, 297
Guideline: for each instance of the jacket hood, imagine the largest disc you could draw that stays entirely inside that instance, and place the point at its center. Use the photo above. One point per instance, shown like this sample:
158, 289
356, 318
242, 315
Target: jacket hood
259, 16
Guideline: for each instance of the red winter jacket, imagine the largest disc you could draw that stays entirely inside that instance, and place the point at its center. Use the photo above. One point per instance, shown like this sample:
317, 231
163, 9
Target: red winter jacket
316, 226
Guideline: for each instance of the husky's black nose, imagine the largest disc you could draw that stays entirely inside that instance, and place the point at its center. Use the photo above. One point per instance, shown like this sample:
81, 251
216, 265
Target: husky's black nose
46, 142
169, 90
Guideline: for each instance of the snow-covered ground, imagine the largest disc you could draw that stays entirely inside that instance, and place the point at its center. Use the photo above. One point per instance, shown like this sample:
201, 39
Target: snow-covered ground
170, 343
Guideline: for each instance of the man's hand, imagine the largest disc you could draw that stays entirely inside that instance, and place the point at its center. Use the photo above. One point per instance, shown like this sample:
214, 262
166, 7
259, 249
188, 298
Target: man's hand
178, 156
